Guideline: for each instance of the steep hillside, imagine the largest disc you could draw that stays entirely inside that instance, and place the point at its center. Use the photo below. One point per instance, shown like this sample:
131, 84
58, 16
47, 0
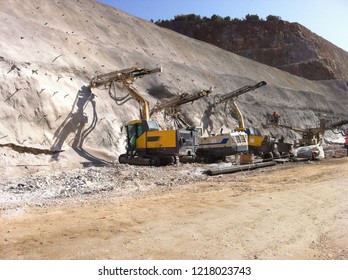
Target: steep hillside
287, 46
50, 50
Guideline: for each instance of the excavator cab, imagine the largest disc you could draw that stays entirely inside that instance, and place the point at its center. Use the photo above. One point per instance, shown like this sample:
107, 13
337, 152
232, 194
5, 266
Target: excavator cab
255, 139
253, 131
149, 145
136, 128
133, 132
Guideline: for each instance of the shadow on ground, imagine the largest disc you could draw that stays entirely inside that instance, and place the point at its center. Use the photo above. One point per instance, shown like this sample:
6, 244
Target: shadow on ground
75, 123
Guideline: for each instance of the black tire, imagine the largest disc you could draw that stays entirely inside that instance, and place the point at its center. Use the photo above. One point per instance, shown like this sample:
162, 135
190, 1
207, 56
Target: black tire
122, 158
276, 154
155, 161
268, 155
208, 159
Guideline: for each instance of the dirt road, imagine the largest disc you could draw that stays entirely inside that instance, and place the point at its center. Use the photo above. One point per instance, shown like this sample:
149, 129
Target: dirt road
294, 211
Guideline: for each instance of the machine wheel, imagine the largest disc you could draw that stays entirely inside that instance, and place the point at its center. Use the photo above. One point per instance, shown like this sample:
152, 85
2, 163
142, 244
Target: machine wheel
268, 155
167, 160
155, 161
208, 159
175, 160
122, 158
276, 154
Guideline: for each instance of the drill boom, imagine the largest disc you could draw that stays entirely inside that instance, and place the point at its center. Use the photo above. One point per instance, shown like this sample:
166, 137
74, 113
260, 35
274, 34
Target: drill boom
178, 100
123, 76
234, 94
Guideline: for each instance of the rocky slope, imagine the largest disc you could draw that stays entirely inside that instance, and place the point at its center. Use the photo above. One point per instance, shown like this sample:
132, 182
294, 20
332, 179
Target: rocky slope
50, 50
287, 46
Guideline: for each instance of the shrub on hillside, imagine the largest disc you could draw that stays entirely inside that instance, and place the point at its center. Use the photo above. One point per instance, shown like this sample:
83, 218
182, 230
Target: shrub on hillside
250, 17
272, 17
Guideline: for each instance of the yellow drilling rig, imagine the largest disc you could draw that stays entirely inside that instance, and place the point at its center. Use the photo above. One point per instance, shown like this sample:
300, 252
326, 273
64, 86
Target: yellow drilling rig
257, 143
207, 149
147, 144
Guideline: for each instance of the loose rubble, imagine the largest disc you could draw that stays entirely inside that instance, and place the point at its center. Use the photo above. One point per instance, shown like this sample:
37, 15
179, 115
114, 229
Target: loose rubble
117, 180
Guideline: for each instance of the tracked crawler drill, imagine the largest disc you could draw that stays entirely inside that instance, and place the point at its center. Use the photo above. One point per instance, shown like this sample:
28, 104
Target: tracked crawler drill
315, 135
257, 143
146, 143
208, 149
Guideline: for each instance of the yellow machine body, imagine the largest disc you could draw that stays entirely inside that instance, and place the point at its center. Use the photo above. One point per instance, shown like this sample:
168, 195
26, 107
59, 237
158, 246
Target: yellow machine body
148, 145
255, 141
157, 139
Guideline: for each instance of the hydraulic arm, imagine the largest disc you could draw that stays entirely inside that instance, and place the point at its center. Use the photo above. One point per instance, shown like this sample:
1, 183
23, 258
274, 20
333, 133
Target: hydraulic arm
146, 143
313, 136
126, 77
219, 99
178, 100
172, 106
232, 97
257, 143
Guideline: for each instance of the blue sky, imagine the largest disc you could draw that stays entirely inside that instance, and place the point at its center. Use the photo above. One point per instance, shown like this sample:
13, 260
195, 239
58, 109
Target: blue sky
326, 18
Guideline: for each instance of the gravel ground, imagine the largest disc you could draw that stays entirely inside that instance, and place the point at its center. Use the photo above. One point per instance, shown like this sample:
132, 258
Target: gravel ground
52, 185
120, 179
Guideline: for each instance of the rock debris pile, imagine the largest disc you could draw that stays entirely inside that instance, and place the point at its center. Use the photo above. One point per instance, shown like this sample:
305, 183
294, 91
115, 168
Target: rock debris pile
118, 180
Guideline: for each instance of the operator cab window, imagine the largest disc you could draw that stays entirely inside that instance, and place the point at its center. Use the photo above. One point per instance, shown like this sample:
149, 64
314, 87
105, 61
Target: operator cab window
253, 131
153, 125
133, 134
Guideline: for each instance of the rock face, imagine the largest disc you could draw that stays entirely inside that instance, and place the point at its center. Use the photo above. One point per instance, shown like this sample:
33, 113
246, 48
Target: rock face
50, 50
287, 46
